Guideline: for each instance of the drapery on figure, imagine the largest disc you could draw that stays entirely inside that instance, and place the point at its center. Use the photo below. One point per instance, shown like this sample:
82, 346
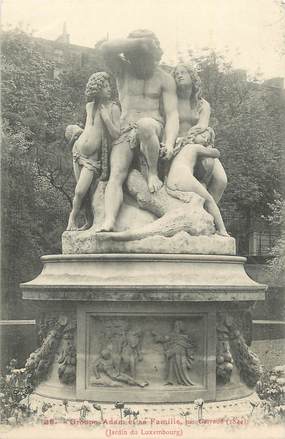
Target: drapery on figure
91, 146
178, 350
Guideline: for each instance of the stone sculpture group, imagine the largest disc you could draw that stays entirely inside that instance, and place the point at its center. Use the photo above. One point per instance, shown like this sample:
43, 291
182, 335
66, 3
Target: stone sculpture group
147, 165
162, 303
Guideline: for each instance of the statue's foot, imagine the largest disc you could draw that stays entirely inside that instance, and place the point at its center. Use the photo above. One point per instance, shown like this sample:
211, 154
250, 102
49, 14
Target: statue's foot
154, 183
223, 233
85, 226
106, 227
143, 384
104, 235
71, 226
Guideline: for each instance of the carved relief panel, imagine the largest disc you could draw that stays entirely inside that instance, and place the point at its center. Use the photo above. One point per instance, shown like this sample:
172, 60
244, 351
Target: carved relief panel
136, 352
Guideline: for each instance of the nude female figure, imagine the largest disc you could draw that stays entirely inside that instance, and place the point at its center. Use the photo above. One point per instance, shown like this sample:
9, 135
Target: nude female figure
195, 143
194, 115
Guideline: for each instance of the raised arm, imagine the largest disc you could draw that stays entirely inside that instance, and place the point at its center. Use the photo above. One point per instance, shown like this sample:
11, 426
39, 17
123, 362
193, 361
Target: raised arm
112, 121
204, 118
207, 152
114, 48
171, 113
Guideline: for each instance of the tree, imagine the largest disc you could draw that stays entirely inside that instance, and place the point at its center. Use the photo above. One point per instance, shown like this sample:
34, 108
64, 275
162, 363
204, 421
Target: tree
37, 176
276, 218
247, 118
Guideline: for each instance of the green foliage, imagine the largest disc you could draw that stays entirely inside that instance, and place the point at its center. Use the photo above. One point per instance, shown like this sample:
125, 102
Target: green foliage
271, 391
276, 219
248, 120
15, 388
37, 176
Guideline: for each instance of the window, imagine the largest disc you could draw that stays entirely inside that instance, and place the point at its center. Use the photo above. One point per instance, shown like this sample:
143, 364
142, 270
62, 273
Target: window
261, 243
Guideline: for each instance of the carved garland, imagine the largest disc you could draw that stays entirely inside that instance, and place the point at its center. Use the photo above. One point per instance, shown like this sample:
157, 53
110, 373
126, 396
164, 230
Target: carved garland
67, 359
232, 348
224, 359
40, 361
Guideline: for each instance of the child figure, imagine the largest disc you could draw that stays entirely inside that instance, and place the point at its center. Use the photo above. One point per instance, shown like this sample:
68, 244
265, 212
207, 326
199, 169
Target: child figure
204, 166
195, 149
206, 138
102, 120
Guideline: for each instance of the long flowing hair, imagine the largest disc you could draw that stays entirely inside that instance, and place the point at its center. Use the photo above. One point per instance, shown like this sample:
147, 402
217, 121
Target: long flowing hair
196, 94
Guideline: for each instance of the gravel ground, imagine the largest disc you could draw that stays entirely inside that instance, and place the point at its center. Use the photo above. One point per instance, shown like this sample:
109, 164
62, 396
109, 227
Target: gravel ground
270, 352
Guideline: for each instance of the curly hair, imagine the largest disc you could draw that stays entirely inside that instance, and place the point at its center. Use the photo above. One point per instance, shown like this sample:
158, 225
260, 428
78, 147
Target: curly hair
196, 94
95, 84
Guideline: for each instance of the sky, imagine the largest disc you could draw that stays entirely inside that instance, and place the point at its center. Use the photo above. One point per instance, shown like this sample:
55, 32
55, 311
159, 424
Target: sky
250, 33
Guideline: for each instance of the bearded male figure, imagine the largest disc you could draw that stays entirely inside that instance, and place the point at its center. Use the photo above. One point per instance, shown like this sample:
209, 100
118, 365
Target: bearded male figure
143, 86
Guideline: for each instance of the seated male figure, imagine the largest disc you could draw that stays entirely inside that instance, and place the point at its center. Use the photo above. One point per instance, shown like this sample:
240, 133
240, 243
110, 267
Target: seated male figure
142, 86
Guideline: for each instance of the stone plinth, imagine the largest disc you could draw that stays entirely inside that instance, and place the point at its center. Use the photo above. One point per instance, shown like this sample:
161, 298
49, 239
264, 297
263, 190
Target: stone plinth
145, 328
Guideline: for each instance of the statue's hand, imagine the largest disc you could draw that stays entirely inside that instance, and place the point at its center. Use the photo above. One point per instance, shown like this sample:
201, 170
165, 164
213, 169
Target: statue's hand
168, 152
196, 129
104, 112
162, 151
216, 152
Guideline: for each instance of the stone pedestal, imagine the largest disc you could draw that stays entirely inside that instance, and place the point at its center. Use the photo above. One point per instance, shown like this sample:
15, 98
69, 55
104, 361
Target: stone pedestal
145, 327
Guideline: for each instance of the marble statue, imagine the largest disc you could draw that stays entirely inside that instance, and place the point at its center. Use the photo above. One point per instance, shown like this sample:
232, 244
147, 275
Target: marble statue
194, 115
181, 177
195, 143
91, 144
142, 86
194, 148
164, 119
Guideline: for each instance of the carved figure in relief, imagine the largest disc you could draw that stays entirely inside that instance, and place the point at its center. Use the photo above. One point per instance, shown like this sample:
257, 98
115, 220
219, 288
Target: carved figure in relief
106, 365
119, 354
131, 352
142, 86
91, 145
178, 350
